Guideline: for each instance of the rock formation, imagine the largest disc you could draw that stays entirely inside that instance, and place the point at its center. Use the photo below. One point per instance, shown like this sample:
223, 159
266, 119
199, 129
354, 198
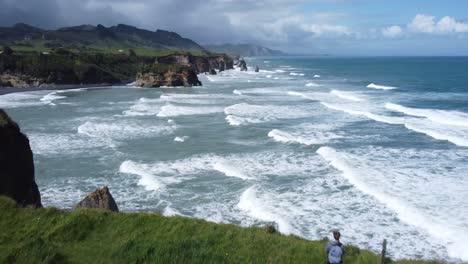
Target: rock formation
16, 165
182, 77
100, 199
213, 72
199, 64
242, 65
257, 69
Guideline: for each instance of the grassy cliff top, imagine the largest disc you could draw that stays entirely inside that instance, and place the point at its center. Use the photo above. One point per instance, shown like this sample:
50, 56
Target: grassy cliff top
89, 236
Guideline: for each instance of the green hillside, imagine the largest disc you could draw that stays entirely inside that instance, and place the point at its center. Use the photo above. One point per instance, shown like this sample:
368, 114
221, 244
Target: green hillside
23, 37
89, 236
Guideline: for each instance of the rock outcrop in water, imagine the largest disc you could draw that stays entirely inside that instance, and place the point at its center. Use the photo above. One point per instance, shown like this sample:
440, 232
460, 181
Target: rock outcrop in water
242, 65
100, 199
178, 76
16, 165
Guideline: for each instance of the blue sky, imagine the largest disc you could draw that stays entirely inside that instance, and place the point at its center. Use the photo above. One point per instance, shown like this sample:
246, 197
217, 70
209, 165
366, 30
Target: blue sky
341, 27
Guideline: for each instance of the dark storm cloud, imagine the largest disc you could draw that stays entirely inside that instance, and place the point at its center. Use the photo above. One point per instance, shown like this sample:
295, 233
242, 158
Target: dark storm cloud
52, 14
206, 21
39, 13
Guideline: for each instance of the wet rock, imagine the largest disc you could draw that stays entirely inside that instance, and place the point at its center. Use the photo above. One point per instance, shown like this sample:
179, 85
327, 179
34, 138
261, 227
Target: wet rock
242, 65
100, 199
213, 72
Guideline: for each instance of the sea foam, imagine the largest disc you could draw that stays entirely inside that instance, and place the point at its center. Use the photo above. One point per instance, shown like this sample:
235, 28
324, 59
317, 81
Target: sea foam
347, 96
305, 134
364, 178
255, 207
454, 118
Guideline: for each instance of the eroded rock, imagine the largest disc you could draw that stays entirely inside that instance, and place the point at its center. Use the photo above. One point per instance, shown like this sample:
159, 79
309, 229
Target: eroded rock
100, 199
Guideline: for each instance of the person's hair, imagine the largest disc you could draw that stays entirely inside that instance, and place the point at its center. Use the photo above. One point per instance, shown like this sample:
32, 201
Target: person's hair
336, 234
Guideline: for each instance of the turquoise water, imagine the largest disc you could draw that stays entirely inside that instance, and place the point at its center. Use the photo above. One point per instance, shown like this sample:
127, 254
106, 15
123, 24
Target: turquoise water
377, 147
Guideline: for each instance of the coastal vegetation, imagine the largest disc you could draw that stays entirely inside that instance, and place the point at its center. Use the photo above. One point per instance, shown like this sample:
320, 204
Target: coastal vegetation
90, 236
71, 67
100, 39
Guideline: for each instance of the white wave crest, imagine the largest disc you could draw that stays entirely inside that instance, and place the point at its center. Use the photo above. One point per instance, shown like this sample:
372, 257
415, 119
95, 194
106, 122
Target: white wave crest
230, 171
173, 110
347, 96
149, 177
312, 84
180, 139
454, 118
245, 113
256, 208
380, 87
122, 130
306, 134
405, 211
49, 98
457, 135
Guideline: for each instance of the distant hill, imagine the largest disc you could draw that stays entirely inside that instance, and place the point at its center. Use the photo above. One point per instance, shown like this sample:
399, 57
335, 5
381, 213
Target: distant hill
95, 37
247, 50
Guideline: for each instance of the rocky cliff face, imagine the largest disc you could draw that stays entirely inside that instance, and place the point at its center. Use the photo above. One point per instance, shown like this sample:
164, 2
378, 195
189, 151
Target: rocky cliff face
16, 165
172, 77
100, 199
199, 64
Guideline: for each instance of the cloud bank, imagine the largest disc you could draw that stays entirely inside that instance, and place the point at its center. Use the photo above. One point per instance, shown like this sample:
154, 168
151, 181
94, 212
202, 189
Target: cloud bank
285, 24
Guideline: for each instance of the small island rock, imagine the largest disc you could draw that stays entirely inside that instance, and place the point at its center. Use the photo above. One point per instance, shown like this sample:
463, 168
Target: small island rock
100, 199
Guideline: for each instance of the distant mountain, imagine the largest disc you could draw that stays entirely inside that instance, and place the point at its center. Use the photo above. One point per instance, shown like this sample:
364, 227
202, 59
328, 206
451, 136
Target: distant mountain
100, 37
247, 50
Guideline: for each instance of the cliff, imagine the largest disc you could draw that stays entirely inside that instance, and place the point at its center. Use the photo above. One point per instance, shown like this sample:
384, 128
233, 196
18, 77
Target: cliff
200, 64
167, 75
16, 164
64, 67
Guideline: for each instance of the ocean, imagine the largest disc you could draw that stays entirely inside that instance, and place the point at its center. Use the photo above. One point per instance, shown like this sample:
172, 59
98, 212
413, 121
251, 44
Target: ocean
374, 147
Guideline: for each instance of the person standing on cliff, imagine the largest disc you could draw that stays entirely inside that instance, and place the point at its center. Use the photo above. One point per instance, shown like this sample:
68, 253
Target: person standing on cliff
335, 249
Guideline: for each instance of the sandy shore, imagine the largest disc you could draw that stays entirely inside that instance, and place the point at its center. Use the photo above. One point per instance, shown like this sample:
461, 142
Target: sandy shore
7, 90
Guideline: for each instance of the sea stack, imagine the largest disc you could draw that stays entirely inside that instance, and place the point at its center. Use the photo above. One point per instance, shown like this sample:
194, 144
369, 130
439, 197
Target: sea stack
242, 65
17, 165
100, 199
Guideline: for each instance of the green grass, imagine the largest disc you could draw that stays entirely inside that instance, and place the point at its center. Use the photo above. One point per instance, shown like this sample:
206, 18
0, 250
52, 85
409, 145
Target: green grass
89, 236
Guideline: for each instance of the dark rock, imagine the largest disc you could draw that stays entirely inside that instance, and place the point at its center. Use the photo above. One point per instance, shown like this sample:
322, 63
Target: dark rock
257, 69
100, 199
17, 165
7, 50
242, 65
213, 72
222, 66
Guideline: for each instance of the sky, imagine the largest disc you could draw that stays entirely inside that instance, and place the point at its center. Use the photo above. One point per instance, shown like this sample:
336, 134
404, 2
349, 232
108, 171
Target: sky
336, 27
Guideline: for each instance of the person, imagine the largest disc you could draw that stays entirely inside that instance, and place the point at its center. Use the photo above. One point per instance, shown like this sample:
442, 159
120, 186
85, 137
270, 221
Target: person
335, 249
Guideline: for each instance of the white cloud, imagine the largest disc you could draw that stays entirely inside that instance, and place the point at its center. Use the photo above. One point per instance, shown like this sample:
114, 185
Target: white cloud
326, 30
392, 32
427, 24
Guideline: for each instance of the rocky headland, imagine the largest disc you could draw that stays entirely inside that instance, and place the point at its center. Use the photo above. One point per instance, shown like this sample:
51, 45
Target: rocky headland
64, 67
